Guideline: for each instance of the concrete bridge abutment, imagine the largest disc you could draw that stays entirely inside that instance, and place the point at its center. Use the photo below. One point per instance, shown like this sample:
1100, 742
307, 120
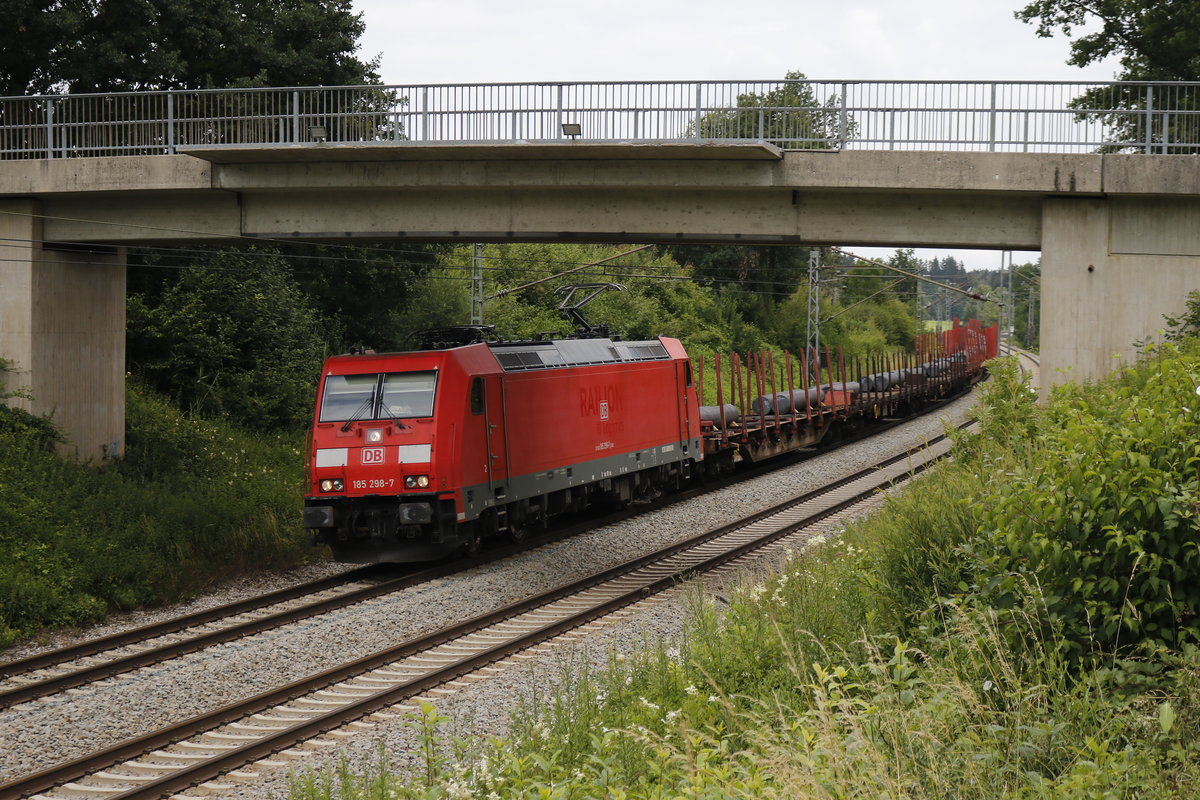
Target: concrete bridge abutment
62, 330
1112, 267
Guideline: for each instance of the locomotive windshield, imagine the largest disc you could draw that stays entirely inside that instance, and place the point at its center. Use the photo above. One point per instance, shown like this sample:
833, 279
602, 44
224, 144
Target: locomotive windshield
389, 395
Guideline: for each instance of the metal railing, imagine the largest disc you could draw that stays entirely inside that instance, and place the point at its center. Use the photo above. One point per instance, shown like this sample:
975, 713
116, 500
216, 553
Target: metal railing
867, 115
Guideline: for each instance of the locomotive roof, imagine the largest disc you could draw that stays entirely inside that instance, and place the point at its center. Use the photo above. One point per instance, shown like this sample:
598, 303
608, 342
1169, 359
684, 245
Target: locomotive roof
521, 356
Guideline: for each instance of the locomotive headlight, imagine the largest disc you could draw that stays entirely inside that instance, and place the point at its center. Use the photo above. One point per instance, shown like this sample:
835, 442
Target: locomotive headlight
416, 481
332, 485
375, 435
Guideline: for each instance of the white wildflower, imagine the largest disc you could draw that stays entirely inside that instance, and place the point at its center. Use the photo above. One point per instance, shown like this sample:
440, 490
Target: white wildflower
690, 689
671, 716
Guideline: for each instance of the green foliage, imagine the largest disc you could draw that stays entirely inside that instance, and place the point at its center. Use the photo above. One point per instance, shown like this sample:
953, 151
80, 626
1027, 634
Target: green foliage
1104, 521
790, 115
108, 45
232, 336
20, 424
191, 499
1027, 304
375, 296
1157, 40
1187, 324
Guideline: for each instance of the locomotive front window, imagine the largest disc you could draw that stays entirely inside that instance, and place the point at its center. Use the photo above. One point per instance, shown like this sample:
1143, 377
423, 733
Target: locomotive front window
388, 396
348, 396
407, 394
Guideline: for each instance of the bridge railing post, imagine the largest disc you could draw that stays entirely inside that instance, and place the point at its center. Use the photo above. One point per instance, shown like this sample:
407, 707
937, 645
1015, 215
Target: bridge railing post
295, 116
558, 131
992, 121
170, 137
425, 114
843, 118
49, 127
1148, 146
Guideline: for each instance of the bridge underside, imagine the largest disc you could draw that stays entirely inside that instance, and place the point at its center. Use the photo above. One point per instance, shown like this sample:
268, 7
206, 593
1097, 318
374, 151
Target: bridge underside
1119, 234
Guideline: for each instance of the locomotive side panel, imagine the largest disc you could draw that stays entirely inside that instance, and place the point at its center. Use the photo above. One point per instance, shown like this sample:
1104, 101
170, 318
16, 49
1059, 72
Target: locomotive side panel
567, 417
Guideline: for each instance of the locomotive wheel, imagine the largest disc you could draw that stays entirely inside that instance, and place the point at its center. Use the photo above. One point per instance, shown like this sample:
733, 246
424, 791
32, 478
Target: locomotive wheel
474, 542
518, 532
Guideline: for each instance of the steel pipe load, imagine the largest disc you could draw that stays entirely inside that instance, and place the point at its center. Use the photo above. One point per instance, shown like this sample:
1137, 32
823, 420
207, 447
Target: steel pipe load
810, 397
853, 387
713, 414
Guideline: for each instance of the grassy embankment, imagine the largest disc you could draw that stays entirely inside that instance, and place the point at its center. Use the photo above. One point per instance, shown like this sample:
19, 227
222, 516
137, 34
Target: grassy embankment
1020, 623
192, 500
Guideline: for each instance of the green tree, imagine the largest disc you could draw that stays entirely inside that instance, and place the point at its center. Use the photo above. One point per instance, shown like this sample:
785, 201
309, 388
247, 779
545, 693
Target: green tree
789, 115
1157, 40
234, 336
374, 295
1027, 305
122, 45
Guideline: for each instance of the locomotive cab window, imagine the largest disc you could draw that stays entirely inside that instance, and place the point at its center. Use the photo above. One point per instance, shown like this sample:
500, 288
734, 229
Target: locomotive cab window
347, 396
477, 396
407, 394
378, 396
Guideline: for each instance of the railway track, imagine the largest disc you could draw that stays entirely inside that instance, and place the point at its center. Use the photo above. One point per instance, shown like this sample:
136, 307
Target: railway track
220, 742
54, 671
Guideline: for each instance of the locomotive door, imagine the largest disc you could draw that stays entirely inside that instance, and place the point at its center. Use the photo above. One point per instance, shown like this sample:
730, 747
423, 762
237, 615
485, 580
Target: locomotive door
683, 382
497, 445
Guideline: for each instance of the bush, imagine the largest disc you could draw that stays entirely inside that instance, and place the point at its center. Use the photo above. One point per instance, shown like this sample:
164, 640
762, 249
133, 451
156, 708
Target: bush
233, 337
191, 500
1102, 519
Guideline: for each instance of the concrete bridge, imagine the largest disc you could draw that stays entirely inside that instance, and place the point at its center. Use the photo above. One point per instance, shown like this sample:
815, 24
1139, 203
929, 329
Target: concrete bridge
1119, 233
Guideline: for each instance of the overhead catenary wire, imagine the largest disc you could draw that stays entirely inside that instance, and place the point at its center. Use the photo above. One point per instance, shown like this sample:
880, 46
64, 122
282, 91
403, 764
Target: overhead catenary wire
906, 273
567, 272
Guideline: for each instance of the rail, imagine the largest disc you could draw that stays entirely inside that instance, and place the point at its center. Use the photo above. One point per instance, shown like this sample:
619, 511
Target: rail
985, 116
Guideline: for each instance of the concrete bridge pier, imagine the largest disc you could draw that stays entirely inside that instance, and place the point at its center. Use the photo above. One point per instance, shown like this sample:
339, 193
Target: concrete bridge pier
62, 328
1111, 268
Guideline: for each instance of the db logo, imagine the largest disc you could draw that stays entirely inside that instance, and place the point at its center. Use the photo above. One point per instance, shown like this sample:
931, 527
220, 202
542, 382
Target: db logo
372, 455
603, 409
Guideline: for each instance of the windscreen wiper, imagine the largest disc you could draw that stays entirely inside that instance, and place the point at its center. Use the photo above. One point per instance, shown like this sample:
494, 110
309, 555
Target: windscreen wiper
386, 412
363, 407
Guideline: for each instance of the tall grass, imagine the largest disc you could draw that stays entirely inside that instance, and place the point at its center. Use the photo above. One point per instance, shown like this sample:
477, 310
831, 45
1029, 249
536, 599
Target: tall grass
192, 499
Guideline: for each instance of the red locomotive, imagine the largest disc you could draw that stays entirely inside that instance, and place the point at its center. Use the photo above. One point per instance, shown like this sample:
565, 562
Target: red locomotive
416, 455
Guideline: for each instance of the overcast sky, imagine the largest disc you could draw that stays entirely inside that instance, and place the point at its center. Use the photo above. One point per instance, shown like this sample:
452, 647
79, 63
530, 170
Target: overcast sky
488, 41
